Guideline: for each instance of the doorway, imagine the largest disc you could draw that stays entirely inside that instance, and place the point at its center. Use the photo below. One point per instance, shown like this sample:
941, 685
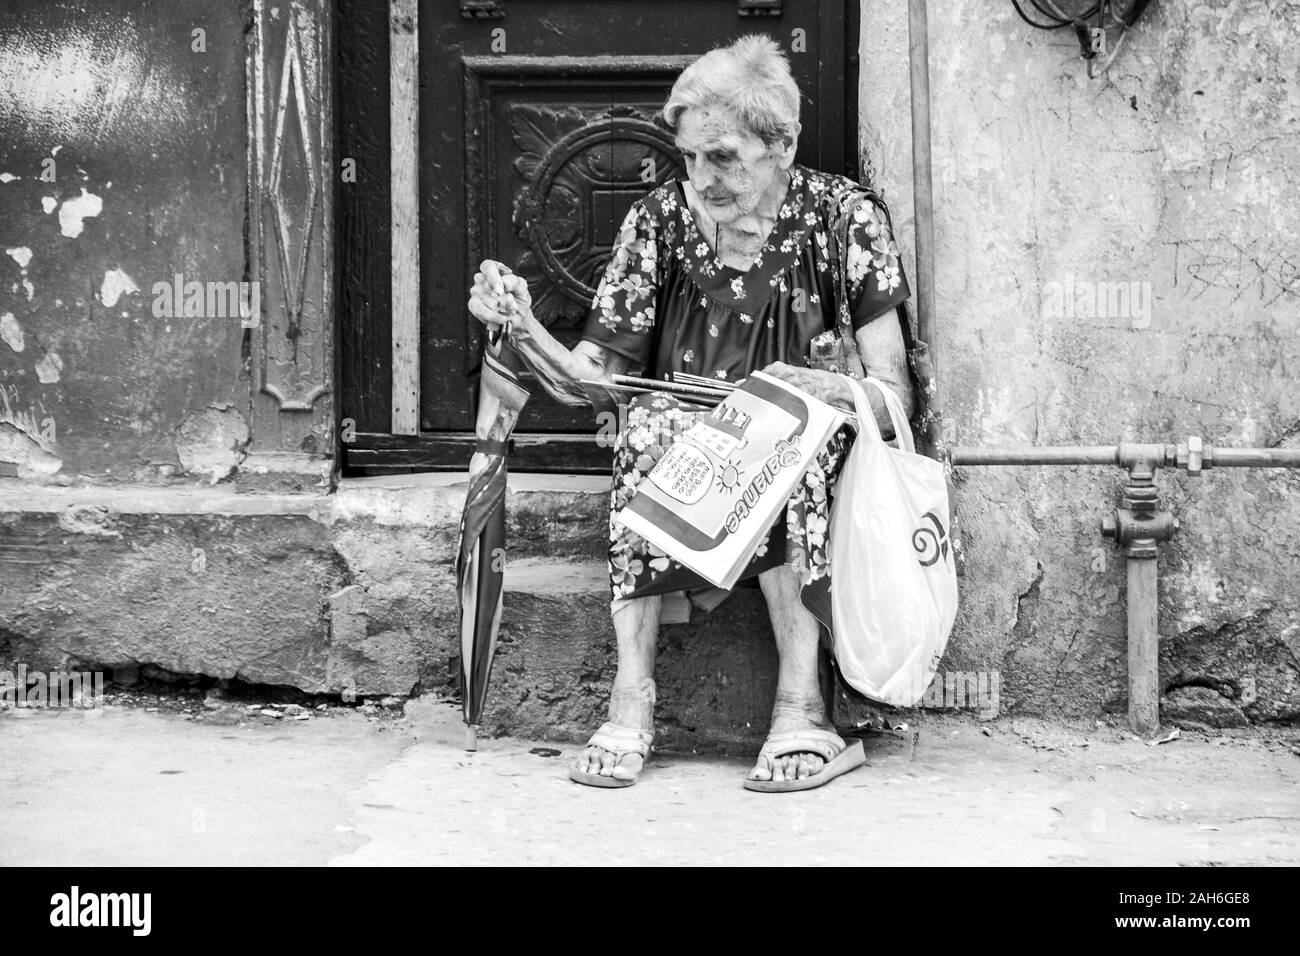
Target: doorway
537, 128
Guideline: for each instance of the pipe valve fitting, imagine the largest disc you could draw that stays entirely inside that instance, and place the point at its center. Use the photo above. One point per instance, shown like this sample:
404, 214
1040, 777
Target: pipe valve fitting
1194, 456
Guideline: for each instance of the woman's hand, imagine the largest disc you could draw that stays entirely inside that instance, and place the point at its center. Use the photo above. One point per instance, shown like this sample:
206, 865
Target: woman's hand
826, 386
499, 297
834, 390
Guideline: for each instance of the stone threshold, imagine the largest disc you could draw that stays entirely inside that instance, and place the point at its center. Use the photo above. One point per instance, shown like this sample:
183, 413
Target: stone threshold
433, 499
385, 497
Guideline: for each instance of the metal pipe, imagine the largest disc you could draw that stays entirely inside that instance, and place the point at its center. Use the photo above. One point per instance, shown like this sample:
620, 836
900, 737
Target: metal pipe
1254, 458
1139, 524
1168, 455
918, 51
1143, 646
1082, 455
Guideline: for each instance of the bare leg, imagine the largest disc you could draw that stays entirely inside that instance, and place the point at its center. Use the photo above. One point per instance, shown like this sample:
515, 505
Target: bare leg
799, 704
631, 700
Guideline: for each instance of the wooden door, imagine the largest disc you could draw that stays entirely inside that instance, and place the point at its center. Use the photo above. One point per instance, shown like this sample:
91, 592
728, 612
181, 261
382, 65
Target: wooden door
538, 127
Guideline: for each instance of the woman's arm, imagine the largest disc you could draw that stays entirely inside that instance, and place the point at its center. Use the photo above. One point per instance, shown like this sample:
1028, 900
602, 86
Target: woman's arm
880, 342
560, 369
884, 355
499, 298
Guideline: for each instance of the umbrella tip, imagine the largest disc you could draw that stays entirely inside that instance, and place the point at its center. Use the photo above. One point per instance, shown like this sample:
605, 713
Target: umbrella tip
471, 736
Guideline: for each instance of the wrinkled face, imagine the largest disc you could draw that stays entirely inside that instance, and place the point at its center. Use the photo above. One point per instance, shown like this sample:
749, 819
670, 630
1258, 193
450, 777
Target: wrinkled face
729, 167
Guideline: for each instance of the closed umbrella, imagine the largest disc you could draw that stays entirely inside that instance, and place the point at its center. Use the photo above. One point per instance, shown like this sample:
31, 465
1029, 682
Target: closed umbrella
480, 564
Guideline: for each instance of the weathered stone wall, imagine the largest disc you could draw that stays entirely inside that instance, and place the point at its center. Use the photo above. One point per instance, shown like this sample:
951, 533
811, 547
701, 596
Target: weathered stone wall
122, 164
1177, 175
353, 594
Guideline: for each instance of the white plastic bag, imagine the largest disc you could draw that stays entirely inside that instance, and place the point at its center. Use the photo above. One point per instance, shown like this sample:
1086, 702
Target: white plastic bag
893, 572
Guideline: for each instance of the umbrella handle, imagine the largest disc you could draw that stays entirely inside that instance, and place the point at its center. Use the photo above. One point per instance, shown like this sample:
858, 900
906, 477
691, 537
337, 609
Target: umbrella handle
495, 335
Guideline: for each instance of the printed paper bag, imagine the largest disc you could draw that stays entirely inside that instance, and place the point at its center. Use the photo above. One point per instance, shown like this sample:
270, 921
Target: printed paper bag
711, 499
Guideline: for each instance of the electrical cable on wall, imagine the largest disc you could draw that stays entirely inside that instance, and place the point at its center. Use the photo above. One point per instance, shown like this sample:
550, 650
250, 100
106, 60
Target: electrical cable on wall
1091, 35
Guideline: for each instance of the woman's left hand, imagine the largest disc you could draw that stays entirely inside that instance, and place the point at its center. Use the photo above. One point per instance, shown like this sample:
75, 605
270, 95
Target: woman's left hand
826, 386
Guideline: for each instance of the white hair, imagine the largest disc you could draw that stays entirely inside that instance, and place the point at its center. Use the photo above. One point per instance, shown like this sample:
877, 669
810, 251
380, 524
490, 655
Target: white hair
751, 77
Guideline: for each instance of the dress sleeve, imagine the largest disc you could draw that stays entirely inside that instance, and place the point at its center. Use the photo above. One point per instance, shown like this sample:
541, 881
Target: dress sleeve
623, 311
872, 267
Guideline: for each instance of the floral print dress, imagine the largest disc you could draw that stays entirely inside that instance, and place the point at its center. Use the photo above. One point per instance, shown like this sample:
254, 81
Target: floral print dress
668, 304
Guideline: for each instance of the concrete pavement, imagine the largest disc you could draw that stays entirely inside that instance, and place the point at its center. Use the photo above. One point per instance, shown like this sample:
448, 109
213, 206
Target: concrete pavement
229, 786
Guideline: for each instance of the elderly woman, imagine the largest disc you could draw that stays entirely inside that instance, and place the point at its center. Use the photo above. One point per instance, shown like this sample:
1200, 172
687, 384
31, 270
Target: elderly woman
735, 268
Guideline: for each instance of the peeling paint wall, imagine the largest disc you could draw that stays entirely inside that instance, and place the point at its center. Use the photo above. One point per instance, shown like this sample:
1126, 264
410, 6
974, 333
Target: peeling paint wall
1176, 175
122, 164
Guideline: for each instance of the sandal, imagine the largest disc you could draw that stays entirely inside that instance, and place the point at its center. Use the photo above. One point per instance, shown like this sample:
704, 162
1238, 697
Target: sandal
619, 741
839, 756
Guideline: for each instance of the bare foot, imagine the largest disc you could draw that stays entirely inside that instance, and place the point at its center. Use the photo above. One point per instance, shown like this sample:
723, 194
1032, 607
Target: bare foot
793, 713
630, 707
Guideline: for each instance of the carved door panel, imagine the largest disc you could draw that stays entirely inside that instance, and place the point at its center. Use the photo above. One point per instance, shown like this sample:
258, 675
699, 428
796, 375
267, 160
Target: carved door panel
576, 142
538, 129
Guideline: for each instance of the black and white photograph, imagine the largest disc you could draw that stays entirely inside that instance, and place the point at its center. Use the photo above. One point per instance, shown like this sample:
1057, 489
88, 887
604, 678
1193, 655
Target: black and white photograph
650, 433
